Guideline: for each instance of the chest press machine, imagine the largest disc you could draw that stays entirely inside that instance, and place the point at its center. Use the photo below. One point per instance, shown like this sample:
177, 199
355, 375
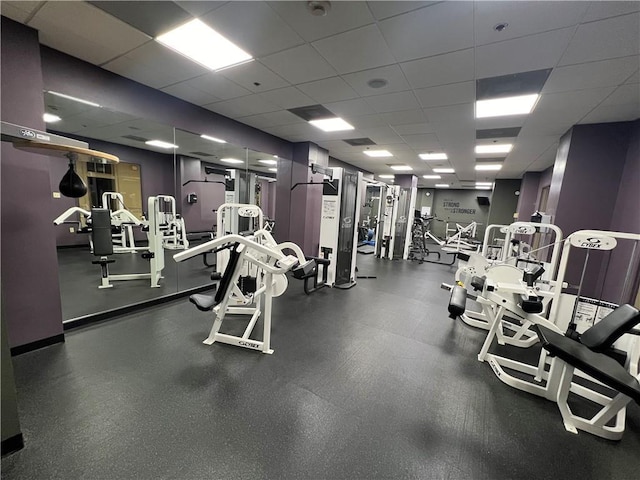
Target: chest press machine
267, 259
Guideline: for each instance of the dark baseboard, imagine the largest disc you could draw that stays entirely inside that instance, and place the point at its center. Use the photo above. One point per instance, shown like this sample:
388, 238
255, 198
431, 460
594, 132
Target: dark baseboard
115, 312
29, 347
12, 444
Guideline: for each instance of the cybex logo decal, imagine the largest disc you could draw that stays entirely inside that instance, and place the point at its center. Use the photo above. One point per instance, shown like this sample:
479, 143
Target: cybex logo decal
250, 345
495, 367
247, 212
592, 242
27, 133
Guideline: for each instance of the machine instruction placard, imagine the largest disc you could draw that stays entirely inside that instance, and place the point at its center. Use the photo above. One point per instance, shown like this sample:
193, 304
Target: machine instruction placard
590, 311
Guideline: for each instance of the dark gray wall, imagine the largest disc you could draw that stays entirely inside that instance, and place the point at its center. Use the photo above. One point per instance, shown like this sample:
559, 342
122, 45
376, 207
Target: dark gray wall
504, 201
527, 201
465, 199
199, 217
32, 297
424, 200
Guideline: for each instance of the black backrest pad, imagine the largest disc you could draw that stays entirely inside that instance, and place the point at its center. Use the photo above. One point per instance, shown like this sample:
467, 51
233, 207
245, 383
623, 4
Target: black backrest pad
598, 365
225, 281
101, 232
604, 333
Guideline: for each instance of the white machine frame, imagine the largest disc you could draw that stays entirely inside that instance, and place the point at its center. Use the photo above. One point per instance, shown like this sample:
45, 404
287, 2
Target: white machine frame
172, 226
267, 257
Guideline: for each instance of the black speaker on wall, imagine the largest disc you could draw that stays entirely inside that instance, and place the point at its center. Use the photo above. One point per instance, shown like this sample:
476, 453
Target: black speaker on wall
483, 201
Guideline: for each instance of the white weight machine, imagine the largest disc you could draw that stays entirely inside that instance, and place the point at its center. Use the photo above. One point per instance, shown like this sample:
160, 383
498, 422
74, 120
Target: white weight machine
174, 232
260, 255
399, 211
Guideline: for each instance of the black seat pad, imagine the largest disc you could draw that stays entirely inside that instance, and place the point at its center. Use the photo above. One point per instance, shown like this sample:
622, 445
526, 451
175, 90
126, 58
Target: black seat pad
598, 365
204, 303
604, 333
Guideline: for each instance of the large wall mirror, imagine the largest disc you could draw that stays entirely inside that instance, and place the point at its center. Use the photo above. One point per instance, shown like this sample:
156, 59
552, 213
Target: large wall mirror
147, 169
171, 178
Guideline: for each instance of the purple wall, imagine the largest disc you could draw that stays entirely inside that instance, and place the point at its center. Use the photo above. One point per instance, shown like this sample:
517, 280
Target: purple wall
28, 237
626, 218
66, 74
199, 217
268, 198
528, 199
584, 192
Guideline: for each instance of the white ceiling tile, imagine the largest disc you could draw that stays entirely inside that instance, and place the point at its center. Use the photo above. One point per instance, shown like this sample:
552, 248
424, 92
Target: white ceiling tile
96, 36
413, 128
452, 94
198, 8
382, 135
18, 11
393, 102
524, 18
611, 38
215, 84
600, 10
250, 73
500, 122
635, 78
383, 10
440, 70
192, 95
359, 49
624, 95
281, 117
392, 74
253, 26
342, 17
422, 141
350, 108
522, 54
440, 28
457, 115
403, 117
251, 105
612, 113
328, 90
569, 105
590, 75
299, 64
288, 97
155, 65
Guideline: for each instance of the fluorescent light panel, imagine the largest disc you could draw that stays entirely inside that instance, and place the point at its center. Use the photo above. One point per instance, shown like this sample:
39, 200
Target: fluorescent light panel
500, 107
387, 175
202, 44
484, 184
442, 185
432, 177
231, 160
494, 148
50, 118
75, 99
488, 167
433, 156
444, 170
160, 144
331, 124
268, 162
401, 168
273, 169
378, 153
213, 139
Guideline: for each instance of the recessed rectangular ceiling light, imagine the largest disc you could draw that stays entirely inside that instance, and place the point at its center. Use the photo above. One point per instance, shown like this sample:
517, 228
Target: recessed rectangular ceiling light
484, 184
433, 156
378, 153
483, 188
268, 162
213, 139
273, 169
50, 118
488, 167
432, 177
494, 148
202, 44
500, 107
401, 168
444, 170
231, 160
331, 124
160, 144
386, 175
442, 185
75, 99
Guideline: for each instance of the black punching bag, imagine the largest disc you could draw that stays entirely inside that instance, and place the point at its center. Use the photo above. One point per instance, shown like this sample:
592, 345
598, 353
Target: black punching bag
72, 185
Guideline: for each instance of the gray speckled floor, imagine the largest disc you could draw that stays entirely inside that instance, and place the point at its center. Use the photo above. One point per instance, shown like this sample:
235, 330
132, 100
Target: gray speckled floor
372, 382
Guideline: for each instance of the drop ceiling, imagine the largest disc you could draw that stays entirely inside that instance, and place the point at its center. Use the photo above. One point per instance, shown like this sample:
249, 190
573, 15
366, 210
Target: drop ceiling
430, 53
